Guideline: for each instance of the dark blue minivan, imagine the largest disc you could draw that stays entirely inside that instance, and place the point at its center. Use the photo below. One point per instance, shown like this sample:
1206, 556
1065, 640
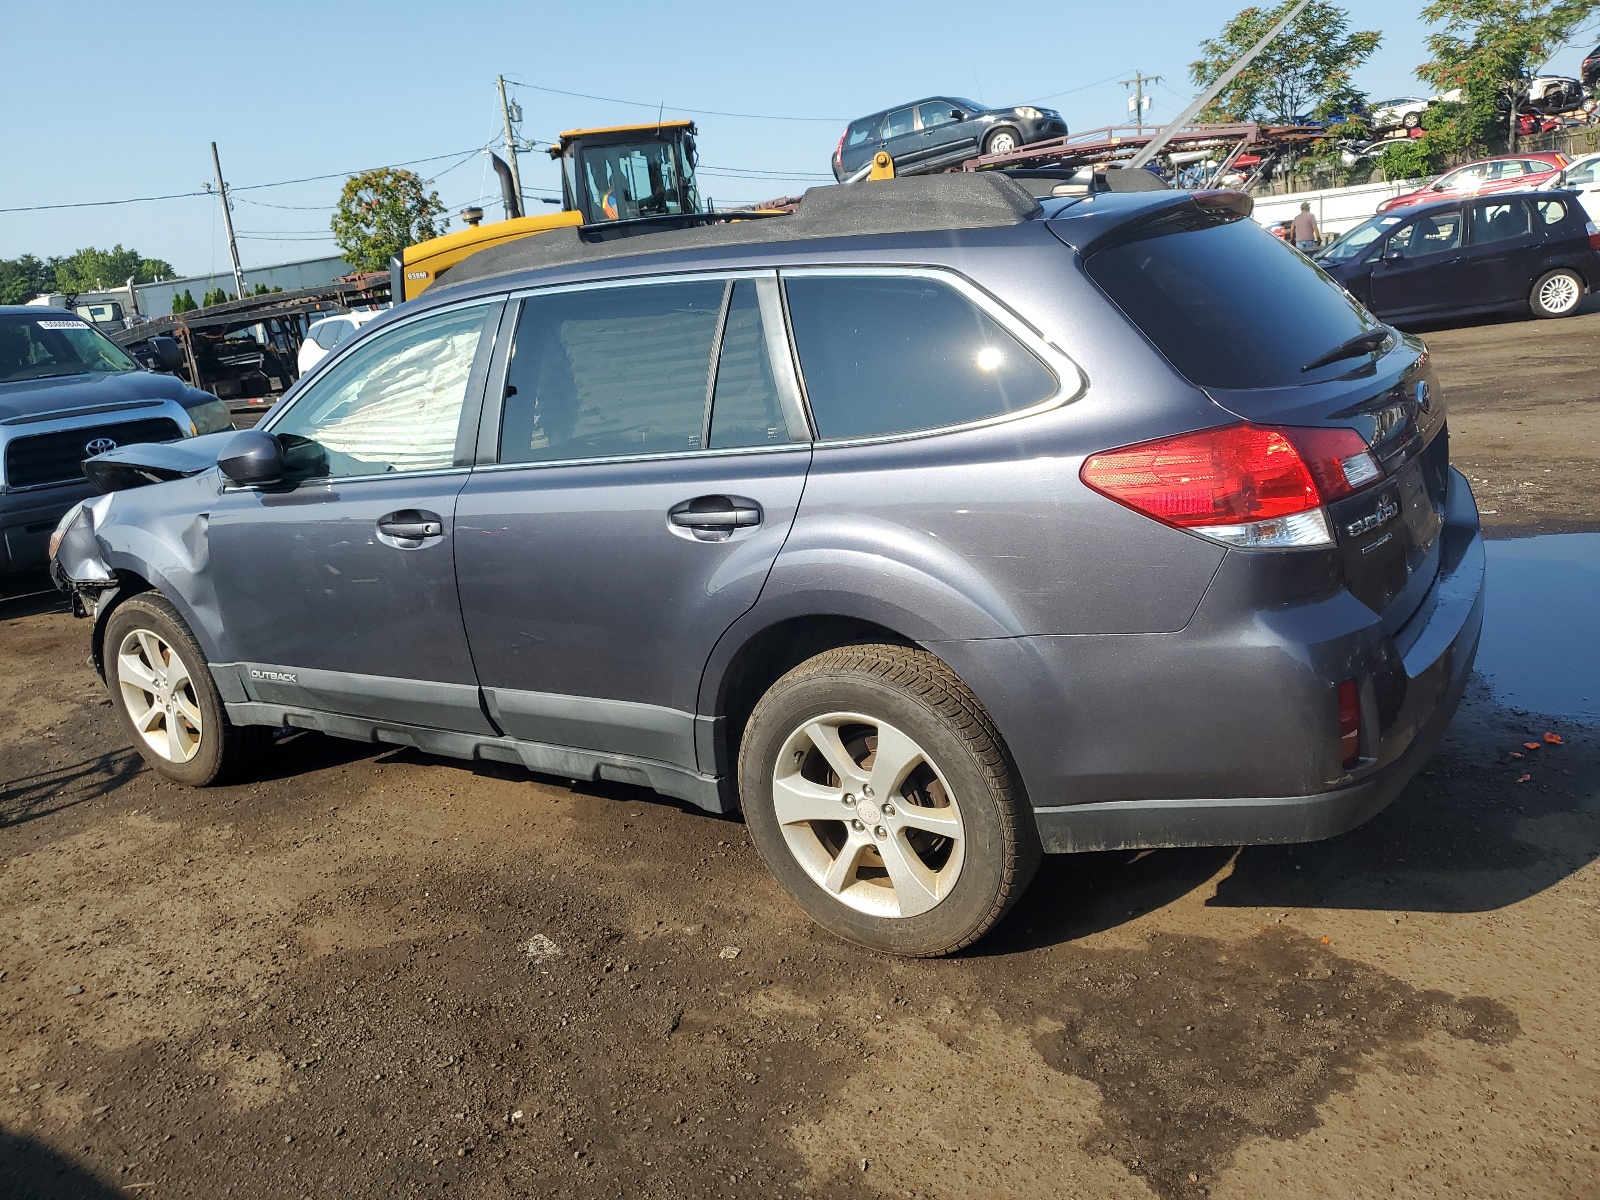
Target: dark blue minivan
1471, 255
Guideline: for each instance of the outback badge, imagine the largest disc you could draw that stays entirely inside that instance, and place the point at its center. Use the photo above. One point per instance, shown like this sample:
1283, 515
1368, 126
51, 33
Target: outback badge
1386, 511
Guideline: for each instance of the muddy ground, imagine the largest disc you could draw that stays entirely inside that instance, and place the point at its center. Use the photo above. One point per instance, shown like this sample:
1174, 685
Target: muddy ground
375, 974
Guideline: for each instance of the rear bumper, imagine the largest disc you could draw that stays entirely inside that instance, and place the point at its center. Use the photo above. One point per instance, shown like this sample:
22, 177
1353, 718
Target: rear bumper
1226, 732
27, 520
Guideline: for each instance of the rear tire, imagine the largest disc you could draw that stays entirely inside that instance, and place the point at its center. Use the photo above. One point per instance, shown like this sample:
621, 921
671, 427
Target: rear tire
166, 699
1002, 141
1557, 294
878, 792
1411, 120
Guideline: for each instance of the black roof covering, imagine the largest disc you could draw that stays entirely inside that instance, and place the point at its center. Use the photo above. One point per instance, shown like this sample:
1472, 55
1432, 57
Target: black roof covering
918, 204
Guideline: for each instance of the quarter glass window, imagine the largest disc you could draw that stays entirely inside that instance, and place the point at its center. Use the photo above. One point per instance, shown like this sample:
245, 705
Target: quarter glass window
884, 355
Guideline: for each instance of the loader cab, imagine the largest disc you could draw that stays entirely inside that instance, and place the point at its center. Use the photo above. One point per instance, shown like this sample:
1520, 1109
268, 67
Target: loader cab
619, 173
628, 172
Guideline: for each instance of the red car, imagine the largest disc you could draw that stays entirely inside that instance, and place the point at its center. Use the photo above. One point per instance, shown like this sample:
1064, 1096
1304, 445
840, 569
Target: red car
1503, 173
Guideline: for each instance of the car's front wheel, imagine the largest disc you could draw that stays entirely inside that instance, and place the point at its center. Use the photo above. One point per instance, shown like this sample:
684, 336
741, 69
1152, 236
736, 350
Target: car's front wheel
1411, 120
164, 694
1557, 294
1001, 141
876, 789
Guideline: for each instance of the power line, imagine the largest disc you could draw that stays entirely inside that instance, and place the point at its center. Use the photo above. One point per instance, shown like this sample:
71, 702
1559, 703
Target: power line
250, 187
660, 105
1080, 88
104, 203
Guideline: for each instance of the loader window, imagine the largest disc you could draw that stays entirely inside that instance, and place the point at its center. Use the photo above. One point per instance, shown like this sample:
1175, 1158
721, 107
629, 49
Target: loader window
626, 182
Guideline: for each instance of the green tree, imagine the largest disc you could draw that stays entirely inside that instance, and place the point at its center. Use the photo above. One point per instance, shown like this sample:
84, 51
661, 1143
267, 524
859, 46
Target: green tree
382, 212
1486, 48
1306, 69
184, 303
93, 270
24, 277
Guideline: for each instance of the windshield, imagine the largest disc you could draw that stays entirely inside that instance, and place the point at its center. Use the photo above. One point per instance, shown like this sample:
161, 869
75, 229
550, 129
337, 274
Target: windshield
54, 343
646, 179
1354, 243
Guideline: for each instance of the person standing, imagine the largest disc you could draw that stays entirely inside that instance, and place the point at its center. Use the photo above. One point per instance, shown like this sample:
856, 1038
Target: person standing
1303, 229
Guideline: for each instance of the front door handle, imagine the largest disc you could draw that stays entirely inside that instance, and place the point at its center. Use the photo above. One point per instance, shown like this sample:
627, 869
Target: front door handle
411, 525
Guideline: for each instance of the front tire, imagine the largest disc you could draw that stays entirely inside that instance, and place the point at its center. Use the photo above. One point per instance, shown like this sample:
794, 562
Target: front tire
877, 790
1557, 294
1001, 141
165, 697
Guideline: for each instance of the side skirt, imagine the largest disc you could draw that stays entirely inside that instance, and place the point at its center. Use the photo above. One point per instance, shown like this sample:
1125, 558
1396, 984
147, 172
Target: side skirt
703, 791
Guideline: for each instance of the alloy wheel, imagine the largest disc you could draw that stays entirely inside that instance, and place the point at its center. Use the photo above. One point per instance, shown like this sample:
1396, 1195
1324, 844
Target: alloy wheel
159, 694
868, 815
1559, 293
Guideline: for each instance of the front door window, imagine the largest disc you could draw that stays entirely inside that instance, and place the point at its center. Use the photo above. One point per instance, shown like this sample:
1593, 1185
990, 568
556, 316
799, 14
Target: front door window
391, 405
1428, 235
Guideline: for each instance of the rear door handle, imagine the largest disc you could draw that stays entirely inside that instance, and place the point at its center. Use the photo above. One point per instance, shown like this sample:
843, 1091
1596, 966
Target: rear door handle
720, 514
719, 518
411, 525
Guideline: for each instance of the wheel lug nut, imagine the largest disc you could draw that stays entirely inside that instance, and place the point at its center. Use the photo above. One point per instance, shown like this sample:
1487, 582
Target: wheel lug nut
888, 810
857, 826
880, 833
866, 790
849, 799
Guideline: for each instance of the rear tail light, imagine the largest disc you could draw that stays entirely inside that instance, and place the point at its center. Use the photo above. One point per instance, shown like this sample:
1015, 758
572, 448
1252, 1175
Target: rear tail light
1245, 485
1594, 235
1349, 723
838, 154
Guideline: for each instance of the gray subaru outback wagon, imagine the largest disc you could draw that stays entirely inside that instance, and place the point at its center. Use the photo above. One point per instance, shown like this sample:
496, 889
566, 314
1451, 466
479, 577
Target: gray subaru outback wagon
931, 527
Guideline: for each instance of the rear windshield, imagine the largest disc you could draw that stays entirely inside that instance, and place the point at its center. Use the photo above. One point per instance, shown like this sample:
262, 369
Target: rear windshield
1231, 306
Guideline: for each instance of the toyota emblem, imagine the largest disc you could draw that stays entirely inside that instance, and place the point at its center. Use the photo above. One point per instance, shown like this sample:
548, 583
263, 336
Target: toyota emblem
99, 446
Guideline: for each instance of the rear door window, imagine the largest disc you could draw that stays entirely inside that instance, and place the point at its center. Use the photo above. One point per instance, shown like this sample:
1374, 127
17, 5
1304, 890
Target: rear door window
1498, 221
610, 372
899, 123
1230, 305
887, 354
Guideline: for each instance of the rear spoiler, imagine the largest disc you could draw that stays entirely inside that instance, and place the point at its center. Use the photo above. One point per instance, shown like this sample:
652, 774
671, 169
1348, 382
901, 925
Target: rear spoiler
1186, 211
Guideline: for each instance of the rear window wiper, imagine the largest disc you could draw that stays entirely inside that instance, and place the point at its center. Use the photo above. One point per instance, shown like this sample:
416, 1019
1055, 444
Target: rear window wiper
1370, 340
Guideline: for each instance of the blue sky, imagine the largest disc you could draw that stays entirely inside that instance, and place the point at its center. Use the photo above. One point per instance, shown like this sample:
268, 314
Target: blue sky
291, 89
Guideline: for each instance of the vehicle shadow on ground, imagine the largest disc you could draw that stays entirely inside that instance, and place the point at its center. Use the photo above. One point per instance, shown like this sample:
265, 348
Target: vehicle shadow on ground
32, 1171
29, 595
29, 797
1478, 830
1590, 304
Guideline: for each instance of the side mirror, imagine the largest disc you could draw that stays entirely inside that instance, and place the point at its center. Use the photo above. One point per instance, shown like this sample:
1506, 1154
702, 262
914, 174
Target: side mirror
252, 457
957, 115
1392, 254
168, 354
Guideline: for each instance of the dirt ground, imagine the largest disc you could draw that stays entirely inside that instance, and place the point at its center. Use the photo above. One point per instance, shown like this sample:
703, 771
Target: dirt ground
375, 974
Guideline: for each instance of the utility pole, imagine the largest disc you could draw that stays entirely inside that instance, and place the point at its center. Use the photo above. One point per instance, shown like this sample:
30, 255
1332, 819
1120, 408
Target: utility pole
511, 141
1139, 102
227, 224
